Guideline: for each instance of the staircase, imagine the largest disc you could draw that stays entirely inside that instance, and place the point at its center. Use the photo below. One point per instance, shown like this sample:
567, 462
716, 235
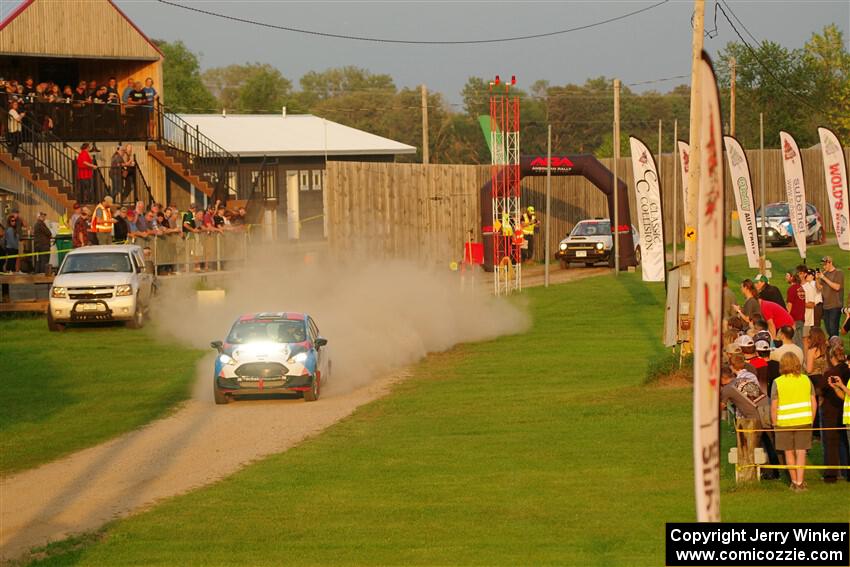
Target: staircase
48, 181
191, 155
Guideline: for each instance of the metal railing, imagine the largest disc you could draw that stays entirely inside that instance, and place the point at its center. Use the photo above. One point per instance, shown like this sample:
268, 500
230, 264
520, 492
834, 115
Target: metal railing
48, 157
198, 153
92, 121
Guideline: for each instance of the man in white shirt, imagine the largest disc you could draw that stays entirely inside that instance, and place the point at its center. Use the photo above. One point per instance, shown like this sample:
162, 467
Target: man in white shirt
786, 335
13, 125
807, 282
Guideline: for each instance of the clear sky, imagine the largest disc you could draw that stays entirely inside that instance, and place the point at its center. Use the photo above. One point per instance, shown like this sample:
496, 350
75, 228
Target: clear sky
652, 45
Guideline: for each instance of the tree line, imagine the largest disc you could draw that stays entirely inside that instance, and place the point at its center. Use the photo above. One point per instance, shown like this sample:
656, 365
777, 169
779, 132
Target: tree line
797, 90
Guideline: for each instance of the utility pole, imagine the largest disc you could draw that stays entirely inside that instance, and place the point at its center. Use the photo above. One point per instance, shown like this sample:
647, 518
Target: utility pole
693, 162
548, 204
616, 146
425, 153
732, 69
675, 190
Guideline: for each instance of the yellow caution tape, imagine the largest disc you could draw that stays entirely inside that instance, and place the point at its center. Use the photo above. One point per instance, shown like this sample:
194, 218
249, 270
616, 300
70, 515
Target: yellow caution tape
813, 467
792, 429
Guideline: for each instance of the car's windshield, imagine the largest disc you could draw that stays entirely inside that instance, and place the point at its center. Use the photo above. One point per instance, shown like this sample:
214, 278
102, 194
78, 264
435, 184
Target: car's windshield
776, 210
96, 262
598, 228
272, 330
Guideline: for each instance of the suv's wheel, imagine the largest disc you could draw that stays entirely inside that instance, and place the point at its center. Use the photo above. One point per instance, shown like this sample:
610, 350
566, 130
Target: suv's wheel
52, 325
313, 393
138, 320
821, 236
220, 397
637, 255
565, 265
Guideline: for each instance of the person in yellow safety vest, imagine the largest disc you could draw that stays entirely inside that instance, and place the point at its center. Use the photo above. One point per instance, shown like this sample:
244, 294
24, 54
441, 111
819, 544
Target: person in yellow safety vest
102, 221
530, 226
793, 406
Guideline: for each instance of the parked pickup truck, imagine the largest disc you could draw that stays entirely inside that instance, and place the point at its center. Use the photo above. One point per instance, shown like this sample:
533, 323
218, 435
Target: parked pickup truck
101, 283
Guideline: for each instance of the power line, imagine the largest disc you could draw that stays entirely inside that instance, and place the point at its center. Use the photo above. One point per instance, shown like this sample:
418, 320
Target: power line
409, 41
766, 69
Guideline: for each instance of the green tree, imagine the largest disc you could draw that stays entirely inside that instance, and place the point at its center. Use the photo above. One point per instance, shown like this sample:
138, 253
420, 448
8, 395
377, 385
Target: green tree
183, 90
321, 85
265, 89
825, 54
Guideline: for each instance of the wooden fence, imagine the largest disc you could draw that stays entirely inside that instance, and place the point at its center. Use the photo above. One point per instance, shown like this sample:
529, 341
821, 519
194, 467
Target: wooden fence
425, 212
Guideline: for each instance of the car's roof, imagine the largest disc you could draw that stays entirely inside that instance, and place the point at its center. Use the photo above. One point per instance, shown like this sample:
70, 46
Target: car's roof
273, 315
125, 248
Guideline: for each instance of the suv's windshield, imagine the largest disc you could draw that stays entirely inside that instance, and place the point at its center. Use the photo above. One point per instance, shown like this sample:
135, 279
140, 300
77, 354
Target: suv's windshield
777, 210
96, 262
596, 228
272, 330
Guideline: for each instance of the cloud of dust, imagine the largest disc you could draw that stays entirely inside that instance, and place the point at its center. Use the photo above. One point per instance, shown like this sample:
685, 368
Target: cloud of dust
377, 316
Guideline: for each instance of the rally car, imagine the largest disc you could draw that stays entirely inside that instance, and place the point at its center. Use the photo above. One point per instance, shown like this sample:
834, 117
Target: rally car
590, 242
778, 223
271, 353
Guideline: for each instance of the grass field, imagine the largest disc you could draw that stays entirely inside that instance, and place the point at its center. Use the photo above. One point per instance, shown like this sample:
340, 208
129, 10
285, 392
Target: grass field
541, 448
66, 391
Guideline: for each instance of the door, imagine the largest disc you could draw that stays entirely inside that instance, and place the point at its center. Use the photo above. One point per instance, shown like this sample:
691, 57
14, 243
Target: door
145, 279
293, 220
322, 353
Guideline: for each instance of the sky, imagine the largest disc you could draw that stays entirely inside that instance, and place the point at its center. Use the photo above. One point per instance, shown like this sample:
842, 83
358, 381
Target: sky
655, 44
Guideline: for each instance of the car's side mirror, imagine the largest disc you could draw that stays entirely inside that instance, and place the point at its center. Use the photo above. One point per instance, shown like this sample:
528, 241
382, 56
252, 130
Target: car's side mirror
321, 341
217, 345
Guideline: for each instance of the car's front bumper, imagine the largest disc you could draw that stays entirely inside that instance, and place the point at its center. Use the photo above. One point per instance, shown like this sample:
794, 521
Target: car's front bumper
264, 376
583, 254
90, 310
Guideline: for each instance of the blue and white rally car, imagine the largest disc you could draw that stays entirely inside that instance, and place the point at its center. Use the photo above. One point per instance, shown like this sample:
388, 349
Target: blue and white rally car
271, 353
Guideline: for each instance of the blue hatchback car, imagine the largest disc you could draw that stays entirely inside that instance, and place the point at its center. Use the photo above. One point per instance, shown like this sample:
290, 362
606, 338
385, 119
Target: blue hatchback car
271, 353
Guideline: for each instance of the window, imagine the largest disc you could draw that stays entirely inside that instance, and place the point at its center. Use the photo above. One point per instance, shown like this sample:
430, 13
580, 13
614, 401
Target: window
305, 180
318, 179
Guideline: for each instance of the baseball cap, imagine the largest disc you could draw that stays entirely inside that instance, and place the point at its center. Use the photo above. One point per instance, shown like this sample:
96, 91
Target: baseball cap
762, 346
733, 348
760, 278
762, 336
745, 341
826, 259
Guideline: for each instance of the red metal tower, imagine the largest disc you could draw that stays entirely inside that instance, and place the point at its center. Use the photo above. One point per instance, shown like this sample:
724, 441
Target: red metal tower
505, 174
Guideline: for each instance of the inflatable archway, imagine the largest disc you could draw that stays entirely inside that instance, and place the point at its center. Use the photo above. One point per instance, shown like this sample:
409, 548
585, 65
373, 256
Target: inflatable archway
591, 169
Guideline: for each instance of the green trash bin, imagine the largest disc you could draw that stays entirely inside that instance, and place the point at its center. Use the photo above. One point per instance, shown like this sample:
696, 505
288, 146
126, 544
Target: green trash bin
63, 245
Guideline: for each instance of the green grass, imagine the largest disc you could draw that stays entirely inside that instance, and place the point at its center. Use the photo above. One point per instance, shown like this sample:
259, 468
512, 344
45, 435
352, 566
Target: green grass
540, 448
66, 391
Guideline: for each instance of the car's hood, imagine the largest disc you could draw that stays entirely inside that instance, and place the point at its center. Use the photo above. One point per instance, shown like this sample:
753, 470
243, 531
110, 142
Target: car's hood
93, 279
588, 239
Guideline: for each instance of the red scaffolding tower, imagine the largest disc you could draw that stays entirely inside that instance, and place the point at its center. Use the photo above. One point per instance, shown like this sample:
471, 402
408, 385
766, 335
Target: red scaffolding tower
505, 174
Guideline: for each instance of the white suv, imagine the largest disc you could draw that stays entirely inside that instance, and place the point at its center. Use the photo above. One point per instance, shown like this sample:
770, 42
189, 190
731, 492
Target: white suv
101, 283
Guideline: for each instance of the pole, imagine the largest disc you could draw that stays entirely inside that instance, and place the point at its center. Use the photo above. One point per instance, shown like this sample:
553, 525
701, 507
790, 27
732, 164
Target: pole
761, 197
675, 190
425, 152
658, 171
732, 69
548, 203
616, 145
694, 159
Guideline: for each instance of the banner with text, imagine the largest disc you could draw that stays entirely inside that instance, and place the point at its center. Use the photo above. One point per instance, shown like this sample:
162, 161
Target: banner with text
684, 163
708, 279
742, 187
795, 189
650, 220
835, 170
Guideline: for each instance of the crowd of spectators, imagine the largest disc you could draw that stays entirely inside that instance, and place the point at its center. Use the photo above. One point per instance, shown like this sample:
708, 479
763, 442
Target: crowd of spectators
786, 372
96, 109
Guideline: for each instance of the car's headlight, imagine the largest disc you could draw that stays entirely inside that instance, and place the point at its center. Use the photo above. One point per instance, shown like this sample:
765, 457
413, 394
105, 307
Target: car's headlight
224, 359
59, 292
300, 358
563, 246
599, 246
125, 289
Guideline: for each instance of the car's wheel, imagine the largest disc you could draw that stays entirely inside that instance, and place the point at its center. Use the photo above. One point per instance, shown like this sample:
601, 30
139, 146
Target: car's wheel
637, 255
565, 265
52, 325
821, 239
220, 397
313, 393
138, 320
